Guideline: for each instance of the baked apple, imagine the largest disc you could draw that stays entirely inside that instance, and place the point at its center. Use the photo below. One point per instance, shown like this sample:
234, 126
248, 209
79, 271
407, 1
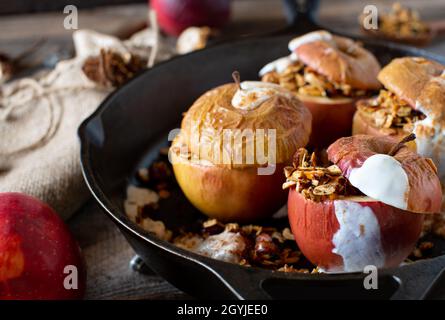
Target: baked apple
328, 73
234, 142
366, 208
413, 101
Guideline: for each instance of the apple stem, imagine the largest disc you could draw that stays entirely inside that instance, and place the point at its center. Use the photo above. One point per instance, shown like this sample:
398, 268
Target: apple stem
236, 77
313, 160
401, 144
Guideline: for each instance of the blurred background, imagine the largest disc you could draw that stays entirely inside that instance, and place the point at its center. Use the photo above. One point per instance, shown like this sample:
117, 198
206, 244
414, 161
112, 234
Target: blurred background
22, 21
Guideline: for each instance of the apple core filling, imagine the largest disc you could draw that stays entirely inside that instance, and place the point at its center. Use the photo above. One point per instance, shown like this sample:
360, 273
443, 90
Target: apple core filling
389, 112
303, 80
317, 182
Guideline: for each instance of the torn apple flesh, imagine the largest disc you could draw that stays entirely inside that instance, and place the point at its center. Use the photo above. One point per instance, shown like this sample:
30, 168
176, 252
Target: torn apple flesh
387, 111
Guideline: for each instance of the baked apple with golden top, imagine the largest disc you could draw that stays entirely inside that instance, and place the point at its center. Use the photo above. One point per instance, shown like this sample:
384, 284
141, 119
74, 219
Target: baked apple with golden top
234, 142
413, 101
328, 73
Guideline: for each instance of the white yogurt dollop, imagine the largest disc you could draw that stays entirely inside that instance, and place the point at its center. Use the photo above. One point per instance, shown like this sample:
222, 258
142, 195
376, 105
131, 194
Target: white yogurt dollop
278, 65
253, 93
383, 178
358, 239
431, 145
311, 37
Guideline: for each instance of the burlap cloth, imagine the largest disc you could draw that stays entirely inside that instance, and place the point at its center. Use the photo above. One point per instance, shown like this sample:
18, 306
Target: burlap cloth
39, 147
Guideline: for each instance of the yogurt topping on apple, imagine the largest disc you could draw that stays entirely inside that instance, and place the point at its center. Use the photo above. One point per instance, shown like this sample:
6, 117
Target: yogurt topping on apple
383, 178
252, 94
358, 239
278, 65
430, 132
311, 37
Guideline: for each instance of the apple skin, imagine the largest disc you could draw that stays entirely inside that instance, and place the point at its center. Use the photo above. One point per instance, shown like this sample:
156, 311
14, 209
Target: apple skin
314, 225
331, 119
231, 195
174, 16
35, 247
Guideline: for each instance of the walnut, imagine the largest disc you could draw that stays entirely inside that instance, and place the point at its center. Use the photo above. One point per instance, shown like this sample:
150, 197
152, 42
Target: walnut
111, 69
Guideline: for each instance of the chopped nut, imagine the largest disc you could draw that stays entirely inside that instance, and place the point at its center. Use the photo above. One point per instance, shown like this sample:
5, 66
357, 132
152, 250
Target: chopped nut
334, 170
287, 234
164, 194
325, 189
289, 184
388, 111
112, 69
143, 174
288, 171
141, 196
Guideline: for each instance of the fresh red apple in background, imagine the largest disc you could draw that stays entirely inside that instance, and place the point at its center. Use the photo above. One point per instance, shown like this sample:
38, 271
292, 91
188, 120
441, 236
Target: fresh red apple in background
37, 252
174, 16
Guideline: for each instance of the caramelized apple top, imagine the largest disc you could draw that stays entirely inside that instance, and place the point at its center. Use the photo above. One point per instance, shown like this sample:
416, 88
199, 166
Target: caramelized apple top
235, 121
316, 182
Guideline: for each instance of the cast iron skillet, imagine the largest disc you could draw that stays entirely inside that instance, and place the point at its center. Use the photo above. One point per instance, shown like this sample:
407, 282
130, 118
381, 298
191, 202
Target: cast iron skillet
132, 124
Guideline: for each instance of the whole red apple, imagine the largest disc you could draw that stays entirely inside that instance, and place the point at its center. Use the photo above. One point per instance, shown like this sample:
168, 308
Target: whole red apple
39, 258
174, 16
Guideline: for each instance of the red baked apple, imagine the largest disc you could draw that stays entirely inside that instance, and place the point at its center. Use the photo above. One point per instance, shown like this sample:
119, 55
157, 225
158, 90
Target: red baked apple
367, 209
174, 16
39, 258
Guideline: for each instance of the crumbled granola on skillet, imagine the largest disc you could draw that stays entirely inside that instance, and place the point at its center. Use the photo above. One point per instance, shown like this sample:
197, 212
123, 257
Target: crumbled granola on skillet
303, 80
388, 111
263, 246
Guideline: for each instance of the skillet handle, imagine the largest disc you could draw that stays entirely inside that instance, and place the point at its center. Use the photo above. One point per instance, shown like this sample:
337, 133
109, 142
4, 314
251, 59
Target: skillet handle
243, 283
419, 281
301, 11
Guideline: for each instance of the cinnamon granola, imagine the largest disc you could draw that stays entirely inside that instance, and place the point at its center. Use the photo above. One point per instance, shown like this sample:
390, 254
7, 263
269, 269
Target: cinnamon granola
390, 112
303, 80
402, 22
314, 182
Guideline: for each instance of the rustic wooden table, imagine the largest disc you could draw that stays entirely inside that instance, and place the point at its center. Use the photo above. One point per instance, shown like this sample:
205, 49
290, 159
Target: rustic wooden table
106, 251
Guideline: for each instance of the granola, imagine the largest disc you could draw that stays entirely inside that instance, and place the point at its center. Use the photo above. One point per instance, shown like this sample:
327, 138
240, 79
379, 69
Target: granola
314, 182
265, 246
402, 22
388, 111
303, 80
